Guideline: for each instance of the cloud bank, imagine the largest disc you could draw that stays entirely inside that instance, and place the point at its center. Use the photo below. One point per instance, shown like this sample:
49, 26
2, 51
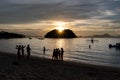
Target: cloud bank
29, 11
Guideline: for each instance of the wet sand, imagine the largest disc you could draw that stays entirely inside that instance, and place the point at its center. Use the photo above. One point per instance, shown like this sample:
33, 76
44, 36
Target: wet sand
46, 69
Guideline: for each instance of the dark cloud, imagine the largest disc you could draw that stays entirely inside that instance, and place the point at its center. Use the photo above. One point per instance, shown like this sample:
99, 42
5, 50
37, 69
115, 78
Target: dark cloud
20, 13
67, 10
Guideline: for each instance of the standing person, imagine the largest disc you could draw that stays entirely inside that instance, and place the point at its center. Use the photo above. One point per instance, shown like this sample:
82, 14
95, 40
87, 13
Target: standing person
44, 49
58, 53
92, 40
18, 47
22, 49
61, 53
28, 51
89, 46
53, 56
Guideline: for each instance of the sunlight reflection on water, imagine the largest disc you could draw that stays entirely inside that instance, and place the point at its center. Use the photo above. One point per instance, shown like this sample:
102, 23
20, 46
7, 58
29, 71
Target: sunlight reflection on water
60, 43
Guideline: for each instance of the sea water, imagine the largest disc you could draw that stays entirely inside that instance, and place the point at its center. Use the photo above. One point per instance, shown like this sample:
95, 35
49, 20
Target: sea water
76, 49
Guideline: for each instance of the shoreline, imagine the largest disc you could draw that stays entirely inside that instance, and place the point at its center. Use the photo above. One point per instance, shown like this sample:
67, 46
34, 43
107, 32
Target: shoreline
69, 62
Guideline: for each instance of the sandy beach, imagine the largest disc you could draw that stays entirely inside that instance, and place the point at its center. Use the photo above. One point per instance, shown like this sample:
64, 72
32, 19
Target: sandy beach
45, 69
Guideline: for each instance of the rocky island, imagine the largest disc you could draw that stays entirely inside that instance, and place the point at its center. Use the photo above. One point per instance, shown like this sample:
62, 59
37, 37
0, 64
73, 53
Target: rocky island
66, 33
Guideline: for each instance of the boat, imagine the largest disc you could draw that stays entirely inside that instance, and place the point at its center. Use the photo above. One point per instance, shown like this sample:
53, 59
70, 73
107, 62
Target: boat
41, 38
30, 38
117, 45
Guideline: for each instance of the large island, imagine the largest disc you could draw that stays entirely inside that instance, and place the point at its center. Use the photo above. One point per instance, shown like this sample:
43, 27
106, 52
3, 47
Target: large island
66, 33
7, 35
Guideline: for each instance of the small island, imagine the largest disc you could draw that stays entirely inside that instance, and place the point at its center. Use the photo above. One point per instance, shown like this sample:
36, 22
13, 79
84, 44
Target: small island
8, 35
66, 33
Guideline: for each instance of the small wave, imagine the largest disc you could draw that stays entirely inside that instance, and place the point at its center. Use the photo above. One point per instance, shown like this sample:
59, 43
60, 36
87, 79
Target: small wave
90, 60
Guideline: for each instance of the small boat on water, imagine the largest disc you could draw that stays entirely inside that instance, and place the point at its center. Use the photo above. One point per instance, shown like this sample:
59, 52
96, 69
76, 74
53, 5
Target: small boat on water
30, 38
41, 38
117, 45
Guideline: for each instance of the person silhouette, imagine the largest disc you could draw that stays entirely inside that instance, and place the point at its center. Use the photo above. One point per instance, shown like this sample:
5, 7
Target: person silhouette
61, 54
28, 49
89, 46
22, 49
44, 49
53, 56
18, 47
58, 53
92, 40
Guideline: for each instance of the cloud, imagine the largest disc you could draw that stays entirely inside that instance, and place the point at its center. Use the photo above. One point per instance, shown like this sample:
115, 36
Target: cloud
26, 13
35, 1
29, 11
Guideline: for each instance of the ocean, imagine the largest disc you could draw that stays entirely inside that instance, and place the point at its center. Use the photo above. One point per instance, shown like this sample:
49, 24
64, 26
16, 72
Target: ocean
76, 49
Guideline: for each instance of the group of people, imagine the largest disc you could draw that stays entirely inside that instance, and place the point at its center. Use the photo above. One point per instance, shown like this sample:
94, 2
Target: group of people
20, 51
58, 54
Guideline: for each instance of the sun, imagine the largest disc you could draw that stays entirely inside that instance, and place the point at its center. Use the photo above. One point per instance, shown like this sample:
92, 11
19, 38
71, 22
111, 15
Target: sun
60, 29
60, 26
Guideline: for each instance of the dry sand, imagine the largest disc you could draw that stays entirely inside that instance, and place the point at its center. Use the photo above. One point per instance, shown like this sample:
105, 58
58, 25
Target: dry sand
46, 69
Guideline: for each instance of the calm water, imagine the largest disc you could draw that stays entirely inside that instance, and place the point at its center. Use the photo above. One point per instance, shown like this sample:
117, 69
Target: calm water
76, 49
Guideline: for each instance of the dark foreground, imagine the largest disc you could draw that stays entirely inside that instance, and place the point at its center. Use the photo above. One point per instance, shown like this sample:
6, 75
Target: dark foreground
46, 69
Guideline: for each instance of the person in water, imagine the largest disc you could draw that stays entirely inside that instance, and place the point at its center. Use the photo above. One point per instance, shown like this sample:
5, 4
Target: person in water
44, 49
89, 46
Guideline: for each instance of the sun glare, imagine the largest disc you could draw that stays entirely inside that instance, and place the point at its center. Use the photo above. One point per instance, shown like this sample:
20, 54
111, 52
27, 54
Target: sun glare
60, 29
60, 26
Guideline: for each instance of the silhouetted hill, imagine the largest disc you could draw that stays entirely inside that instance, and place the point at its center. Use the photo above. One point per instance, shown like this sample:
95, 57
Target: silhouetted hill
104, 35
67, 33
7, 35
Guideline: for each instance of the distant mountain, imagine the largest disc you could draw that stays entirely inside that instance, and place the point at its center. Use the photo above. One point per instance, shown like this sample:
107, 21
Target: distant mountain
7, 35
67, 33
104, 35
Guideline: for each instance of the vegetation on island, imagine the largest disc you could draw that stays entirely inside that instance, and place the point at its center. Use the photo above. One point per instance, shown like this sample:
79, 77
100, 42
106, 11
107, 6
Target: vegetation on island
66, 33
7, 35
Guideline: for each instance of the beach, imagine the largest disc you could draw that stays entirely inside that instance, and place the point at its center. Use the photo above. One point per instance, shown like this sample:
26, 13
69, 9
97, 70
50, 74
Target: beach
45, 69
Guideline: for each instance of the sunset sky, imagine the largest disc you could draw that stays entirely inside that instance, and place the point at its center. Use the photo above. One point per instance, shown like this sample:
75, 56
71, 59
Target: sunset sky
37, 17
